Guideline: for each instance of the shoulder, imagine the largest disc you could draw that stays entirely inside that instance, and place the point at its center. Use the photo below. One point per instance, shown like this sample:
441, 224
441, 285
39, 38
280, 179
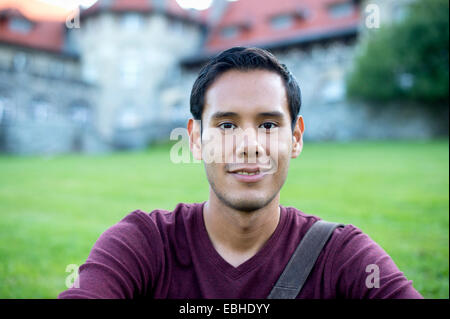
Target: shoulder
138, 223
351, 258
302, 222
298, 219
142, 235
347, 246
140, 231
345, 239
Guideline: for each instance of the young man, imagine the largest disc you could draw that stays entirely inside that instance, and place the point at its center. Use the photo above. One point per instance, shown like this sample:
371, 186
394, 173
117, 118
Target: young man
245, 106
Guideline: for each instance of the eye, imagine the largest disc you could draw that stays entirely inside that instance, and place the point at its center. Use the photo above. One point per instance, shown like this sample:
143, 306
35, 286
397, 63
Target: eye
227, 126
268, 125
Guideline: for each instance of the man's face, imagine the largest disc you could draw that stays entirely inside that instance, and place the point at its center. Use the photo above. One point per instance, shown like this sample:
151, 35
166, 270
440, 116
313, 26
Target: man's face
247, 139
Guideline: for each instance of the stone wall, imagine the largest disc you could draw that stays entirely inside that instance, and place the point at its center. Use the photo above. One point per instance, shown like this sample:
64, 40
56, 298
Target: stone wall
46, 115
128, 89
321, 70
130, 57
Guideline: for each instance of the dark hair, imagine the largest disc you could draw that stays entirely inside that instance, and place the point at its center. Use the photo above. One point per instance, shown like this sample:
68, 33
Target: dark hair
244, 59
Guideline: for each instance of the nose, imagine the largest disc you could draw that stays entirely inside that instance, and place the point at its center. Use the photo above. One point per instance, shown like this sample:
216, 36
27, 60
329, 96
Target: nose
248, 147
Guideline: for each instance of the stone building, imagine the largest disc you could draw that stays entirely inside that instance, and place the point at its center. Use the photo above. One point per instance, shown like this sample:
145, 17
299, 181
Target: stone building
44, 104
119, 74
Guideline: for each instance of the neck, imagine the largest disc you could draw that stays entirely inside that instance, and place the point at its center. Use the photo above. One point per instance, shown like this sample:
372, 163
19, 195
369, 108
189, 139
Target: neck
238, 235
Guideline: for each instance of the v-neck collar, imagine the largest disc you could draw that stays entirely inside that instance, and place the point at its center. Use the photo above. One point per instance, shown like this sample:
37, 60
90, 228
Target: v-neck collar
223, 266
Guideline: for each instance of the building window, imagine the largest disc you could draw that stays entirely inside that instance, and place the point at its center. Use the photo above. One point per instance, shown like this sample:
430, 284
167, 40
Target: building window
303, 13
79, 113
132, 21
130, 72
40, 110
229, 32
282, 21
7, 110
20, 25
19, 61
129, 118
341, 10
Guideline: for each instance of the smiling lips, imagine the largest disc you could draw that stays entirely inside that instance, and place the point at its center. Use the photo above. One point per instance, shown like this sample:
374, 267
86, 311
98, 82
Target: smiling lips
248, 174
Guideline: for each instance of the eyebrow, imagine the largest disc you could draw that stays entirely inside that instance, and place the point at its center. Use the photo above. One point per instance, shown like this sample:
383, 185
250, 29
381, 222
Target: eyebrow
220, 115
271, 114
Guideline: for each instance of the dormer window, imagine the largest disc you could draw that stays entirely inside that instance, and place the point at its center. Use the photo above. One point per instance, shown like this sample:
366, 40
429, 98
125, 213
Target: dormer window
20, 25
235, 30
229, 32
341, 9
284, 21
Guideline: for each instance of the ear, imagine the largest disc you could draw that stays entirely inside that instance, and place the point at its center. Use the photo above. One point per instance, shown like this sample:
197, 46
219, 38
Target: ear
195, 142
297, 137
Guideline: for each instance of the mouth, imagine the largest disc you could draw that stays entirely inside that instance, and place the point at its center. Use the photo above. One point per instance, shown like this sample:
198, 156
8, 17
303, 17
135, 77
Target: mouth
248, 174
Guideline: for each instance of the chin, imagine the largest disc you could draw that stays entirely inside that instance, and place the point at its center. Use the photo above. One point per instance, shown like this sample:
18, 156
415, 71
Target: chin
248, 206
247, 203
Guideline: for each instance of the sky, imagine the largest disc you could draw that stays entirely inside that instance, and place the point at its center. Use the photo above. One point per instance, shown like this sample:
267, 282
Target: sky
35, 9
72, 4
59, 9
196, 4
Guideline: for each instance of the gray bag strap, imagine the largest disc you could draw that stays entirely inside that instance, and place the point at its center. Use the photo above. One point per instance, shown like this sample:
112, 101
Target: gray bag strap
302, 261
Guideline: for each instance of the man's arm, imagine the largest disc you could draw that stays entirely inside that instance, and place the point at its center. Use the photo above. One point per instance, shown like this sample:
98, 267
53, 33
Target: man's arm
121, 264
362, 269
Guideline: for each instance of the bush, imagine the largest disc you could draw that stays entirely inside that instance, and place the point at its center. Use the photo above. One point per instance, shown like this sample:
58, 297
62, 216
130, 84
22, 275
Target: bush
406, 60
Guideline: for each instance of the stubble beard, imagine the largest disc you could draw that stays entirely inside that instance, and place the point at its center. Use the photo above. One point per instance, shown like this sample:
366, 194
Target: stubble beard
242, 203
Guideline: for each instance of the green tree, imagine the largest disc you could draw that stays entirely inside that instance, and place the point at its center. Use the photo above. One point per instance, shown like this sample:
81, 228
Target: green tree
406, 60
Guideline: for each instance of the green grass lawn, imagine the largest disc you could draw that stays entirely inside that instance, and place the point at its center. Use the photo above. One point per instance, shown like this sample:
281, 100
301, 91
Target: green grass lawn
53, 209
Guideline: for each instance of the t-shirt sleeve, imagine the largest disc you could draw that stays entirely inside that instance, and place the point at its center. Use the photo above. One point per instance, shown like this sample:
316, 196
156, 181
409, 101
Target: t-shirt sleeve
122, 262
362, 269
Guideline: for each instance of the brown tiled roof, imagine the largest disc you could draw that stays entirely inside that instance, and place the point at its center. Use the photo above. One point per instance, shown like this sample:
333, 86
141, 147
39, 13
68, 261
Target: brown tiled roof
253, 19
48, 34
43, 35
170, 7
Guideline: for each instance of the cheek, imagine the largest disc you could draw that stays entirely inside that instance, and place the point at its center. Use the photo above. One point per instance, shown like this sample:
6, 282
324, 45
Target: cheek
215, 172
215, 148
279, 151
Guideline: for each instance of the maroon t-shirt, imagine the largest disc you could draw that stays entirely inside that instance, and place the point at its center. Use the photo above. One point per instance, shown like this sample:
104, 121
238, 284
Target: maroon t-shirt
169, 255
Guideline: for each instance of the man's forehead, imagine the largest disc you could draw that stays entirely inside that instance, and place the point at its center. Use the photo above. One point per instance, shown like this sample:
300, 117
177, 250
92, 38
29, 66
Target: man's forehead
246, 93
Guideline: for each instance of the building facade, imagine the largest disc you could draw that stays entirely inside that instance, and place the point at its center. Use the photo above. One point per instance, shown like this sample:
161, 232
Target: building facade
118, 75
